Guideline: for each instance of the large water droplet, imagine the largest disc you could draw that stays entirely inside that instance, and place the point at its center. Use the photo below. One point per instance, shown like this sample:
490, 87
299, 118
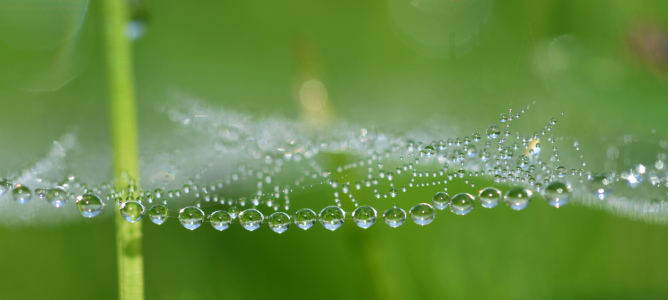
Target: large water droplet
518, 198
89, 205
251, 219
441, 200
462, 204
557, 194
279, 222
132, 211
57, 197
423, 213
22, 194
395, 217
191, 217
489, 197
305, 218
158, 214
221, 220
332, 217
365, 216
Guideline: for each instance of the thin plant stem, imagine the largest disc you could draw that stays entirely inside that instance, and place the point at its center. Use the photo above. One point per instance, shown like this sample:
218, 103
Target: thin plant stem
123, 117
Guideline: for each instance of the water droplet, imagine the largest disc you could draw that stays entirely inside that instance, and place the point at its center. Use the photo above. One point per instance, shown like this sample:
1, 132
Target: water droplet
191, 217
560, 171
5, 185
57, 197
22, 194
523, 161
233, 211
393, 192
332, 217
158, 214
493, 131
89, 205
220, 220
441, 200
395, 217
518, 198
489, 197
279, 222
423, 213
557, 194
251, 219
305, 218
365, 216
601, 186
428, 151
40, 193
132, 211
462, 204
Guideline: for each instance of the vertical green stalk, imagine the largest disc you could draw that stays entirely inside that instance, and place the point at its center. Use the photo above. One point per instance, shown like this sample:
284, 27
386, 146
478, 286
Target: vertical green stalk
124, 142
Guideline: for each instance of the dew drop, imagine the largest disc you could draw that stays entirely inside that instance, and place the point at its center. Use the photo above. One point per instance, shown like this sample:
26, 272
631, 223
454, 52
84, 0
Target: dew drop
423, 213
393, 192
428, 151
158, 214
493, 131
89, 205
523, 161
332, 217
441, 200
22, 194
56, 197
557, 194
395, 217
518, 198
601, 186
220, 220
233, 211
279, 222
5, 185
40, 193
365, 216
191, 217
489, 197
132, 211
560, 171
251, 219
305, 218
462, 204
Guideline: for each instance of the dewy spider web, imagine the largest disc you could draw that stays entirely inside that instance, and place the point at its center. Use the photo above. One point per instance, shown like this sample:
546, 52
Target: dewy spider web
223, 167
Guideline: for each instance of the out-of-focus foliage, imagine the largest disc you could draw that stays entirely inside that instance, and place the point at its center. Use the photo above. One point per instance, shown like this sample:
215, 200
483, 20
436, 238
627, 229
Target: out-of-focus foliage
601, 62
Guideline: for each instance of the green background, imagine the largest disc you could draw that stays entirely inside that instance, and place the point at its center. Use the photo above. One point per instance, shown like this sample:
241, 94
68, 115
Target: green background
241, 55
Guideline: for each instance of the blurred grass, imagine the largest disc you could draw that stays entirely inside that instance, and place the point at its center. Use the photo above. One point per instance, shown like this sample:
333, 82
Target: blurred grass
241, 56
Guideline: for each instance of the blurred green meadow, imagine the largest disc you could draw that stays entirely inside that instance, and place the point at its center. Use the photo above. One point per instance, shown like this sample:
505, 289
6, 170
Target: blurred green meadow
398, 65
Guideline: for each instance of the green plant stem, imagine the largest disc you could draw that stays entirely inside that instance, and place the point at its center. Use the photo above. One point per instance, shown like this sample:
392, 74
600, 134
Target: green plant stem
124, 142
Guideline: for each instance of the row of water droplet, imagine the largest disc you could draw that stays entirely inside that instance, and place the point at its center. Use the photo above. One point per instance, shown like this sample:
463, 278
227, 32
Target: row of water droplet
331, 217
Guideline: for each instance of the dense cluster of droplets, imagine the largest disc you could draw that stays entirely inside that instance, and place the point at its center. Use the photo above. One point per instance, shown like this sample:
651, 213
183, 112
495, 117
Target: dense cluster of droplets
497, 167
